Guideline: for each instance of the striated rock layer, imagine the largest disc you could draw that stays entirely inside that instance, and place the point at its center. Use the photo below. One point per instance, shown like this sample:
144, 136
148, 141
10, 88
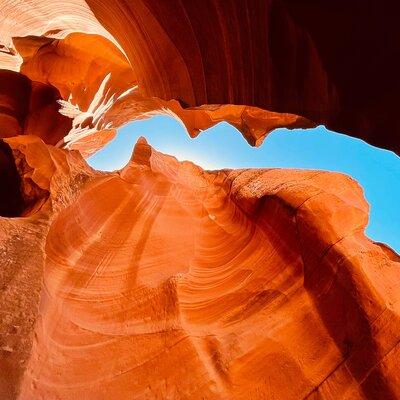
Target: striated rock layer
164, 281
48, 179
274, 62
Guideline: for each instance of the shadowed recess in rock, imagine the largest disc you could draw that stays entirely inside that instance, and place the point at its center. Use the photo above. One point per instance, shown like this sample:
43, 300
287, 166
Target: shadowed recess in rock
377, 170
11, 204
161, 279
220, 273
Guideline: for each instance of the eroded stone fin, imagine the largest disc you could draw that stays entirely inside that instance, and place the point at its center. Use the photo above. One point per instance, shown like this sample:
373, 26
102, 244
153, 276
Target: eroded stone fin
20, 196
141, 152
100, 92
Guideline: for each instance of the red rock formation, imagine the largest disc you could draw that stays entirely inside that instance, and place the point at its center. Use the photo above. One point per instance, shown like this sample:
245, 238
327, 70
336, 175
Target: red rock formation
335, 63
164, 281
30, 108
309, 64
48, 179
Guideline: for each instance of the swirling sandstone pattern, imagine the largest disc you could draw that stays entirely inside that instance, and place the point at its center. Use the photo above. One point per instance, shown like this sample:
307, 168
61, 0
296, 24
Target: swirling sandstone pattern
164, 281
275, 62
49, 179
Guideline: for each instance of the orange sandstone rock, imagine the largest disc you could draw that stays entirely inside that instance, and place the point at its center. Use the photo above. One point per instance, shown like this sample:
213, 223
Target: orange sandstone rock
279, 61
47, 180
166, 281
30, 108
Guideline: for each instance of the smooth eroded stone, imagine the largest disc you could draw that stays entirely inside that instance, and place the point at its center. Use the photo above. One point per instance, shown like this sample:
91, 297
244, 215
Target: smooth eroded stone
166, 281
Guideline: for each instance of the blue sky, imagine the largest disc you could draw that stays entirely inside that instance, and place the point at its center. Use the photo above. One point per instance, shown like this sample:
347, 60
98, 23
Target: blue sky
378, 171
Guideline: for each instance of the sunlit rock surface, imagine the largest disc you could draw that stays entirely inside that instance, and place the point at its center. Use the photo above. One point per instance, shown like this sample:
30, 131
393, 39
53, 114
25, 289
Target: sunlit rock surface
164, 281
47, 180
290, 64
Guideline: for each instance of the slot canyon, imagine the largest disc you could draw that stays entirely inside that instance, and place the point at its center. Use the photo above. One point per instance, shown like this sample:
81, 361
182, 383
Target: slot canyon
164, 280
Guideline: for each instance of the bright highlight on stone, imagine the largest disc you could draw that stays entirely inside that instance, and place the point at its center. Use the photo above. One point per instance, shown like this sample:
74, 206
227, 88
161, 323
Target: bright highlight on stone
164, 281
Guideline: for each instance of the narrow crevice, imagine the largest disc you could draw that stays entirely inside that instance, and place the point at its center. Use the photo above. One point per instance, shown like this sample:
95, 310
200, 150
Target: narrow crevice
11, 198
19, 194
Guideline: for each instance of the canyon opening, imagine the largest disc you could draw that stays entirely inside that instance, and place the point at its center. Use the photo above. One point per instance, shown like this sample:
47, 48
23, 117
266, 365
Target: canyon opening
199, 200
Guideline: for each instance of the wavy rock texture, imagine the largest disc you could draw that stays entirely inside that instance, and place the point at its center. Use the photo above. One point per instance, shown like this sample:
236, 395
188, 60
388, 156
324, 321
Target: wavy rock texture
48, 179
167, 281
275, 63
164, 281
